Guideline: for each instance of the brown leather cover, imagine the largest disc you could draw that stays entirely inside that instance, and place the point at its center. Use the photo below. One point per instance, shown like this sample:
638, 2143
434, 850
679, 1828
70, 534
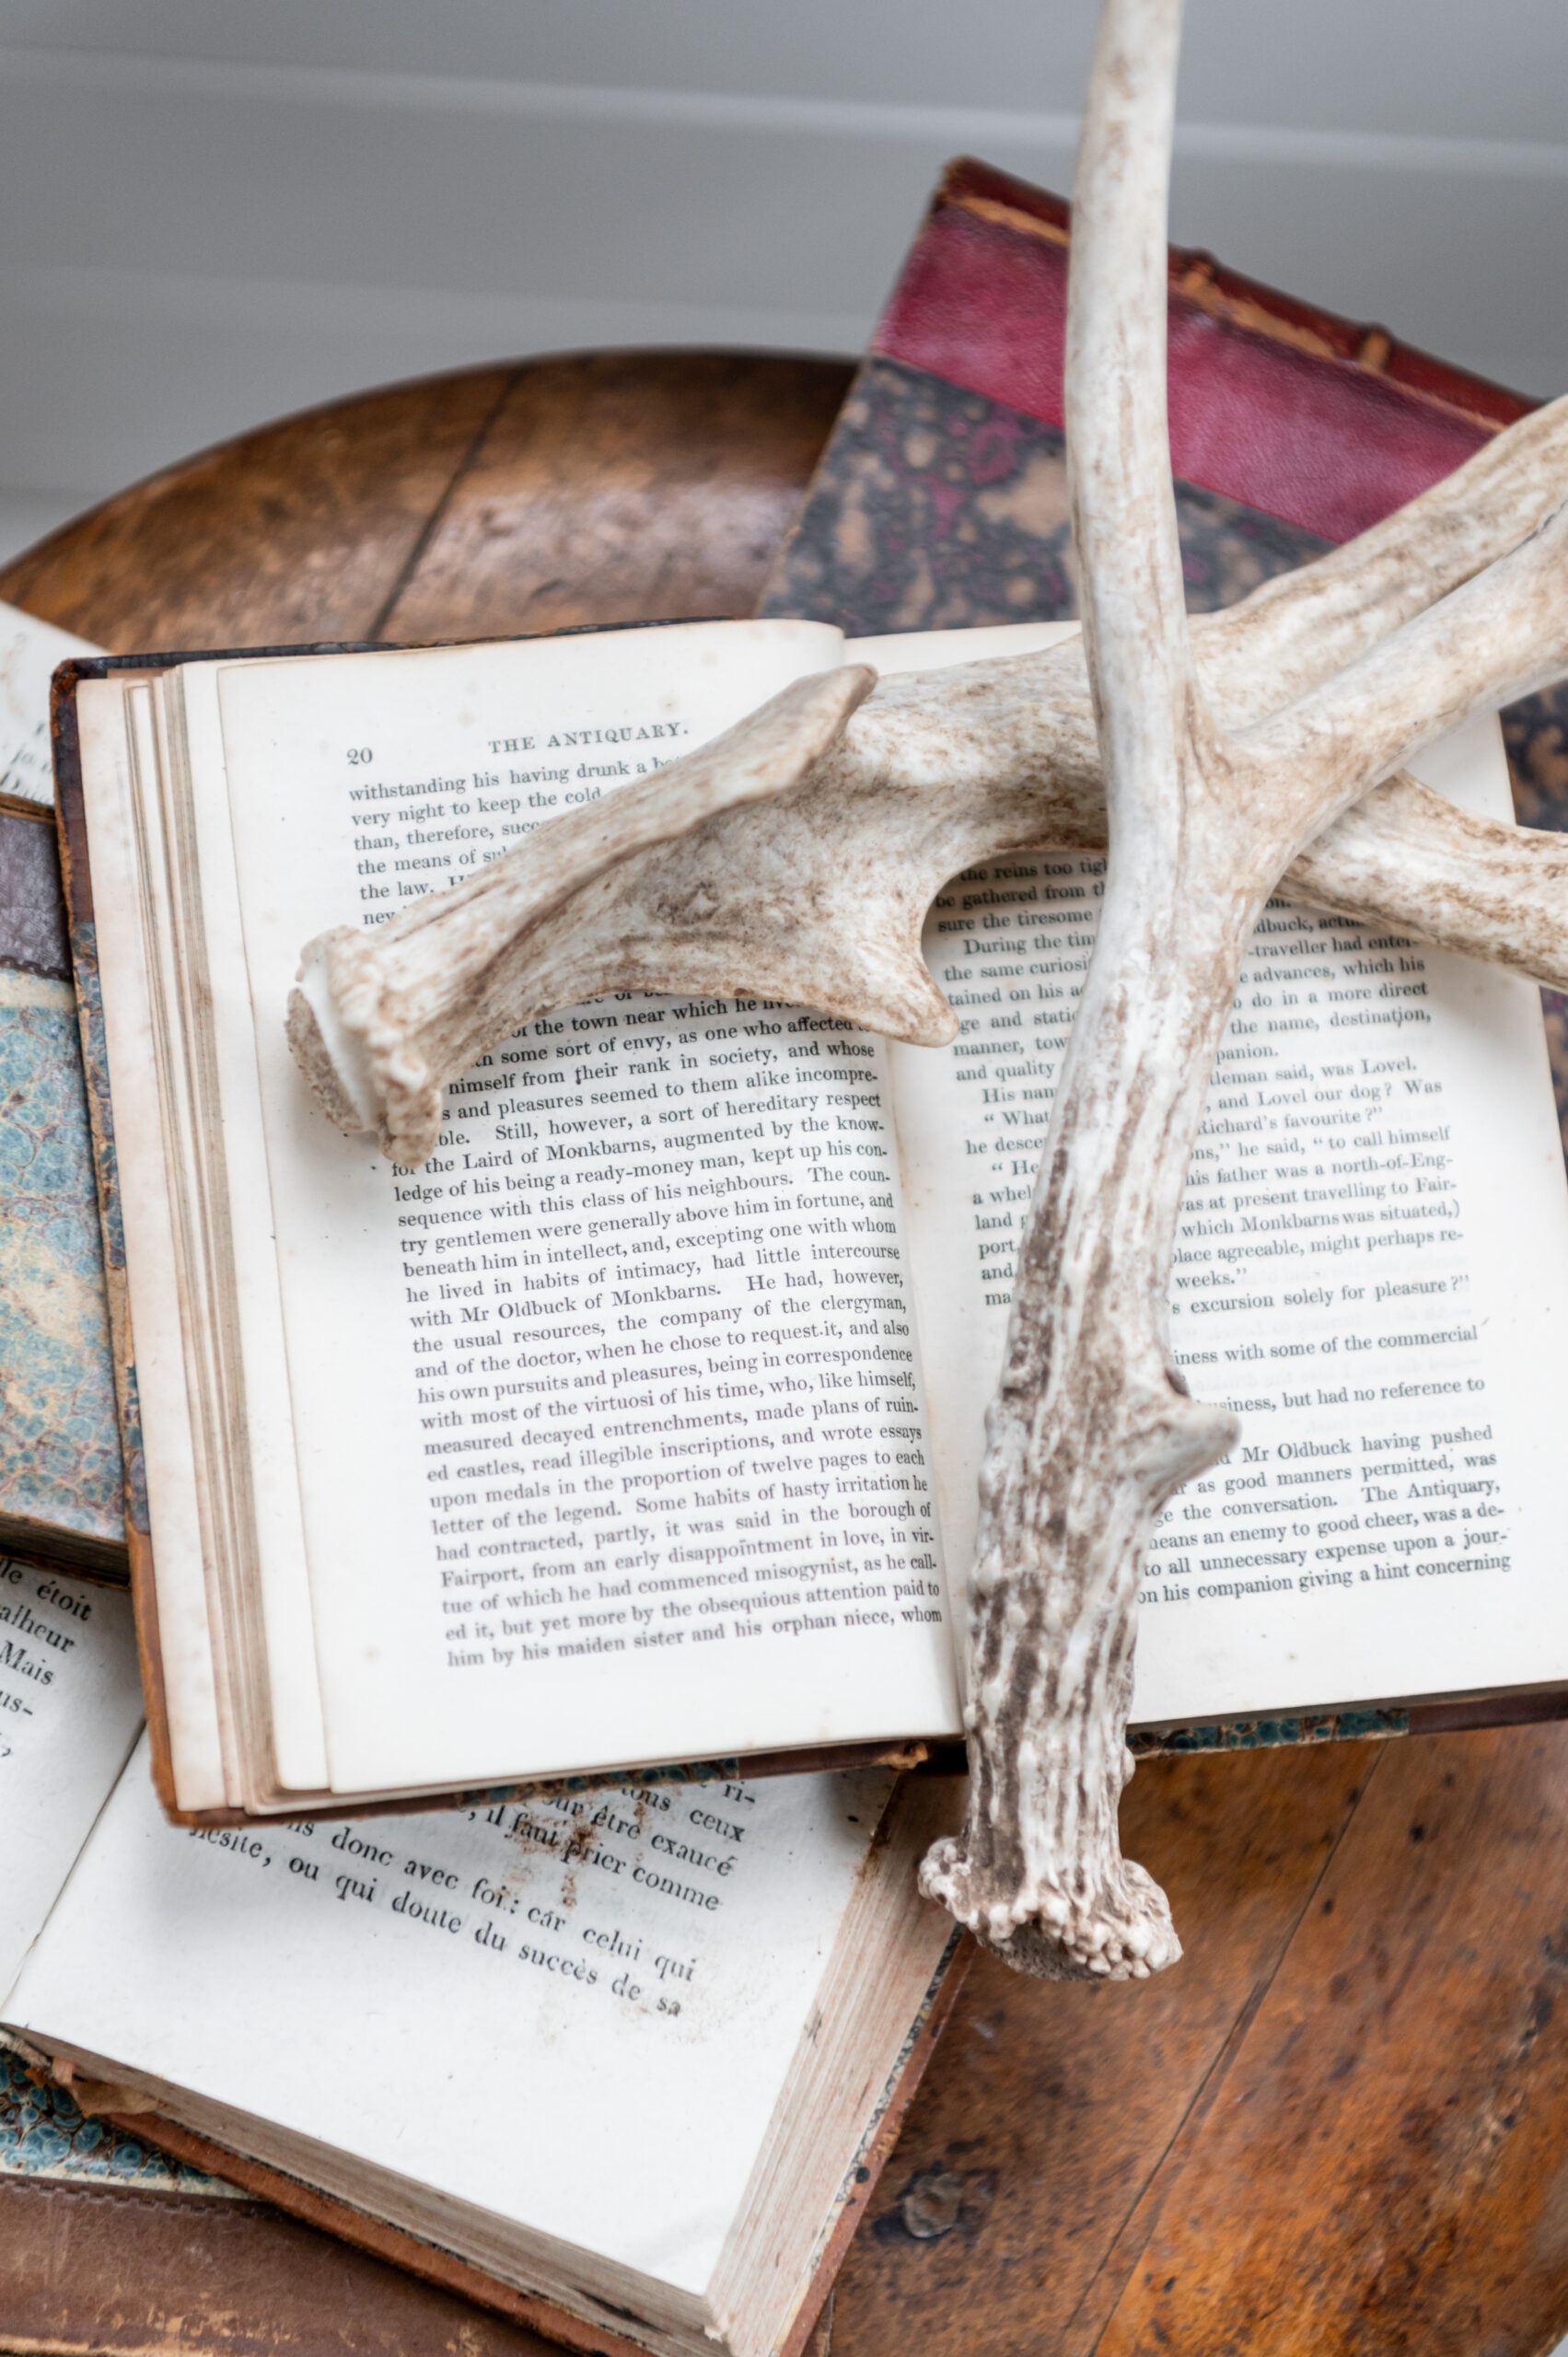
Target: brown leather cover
96, 2269
33, 912
1326, 423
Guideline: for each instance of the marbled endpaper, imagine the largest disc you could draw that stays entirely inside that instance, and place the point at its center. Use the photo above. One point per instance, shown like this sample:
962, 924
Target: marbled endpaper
59, 1441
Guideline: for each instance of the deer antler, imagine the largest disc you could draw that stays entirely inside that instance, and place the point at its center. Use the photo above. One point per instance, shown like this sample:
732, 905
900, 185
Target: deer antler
1254, 750
1092, 1430
379, 1024
808, 879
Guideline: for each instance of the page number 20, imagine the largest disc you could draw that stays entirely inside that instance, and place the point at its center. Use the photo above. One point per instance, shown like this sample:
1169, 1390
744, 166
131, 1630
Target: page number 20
357, 755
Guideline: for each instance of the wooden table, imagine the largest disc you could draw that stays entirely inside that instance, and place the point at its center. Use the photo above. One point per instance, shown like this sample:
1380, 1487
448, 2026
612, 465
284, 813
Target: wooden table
1340, 2125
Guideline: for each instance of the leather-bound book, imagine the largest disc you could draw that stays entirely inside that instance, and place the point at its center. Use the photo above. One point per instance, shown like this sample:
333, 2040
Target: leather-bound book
940, 500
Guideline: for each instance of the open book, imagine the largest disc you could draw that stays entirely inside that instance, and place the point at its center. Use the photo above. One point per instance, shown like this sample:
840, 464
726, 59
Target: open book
534, 2051
642, 1424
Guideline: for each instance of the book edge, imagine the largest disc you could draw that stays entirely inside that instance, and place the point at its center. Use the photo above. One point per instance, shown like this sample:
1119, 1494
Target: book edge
434, 2264
990, 193
75, 880
76, 883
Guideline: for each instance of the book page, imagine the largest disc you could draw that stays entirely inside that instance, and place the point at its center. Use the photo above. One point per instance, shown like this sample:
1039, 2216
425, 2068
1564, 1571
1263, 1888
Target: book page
29, 651
577, 2013
70, 1709
1372, 1269
609, 1418
188, 1640
263, 1535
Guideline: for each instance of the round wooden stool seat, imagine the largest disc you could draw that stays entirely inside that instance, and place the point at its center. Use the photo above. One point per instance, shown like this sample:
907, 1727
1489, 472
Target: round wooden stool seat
614, 486
1340, 2127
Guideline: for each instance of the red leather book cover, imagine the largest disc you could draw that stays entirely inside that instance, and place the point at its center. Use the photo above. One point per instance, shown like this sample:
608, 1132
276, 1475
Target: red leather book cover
1319, 421
941, 498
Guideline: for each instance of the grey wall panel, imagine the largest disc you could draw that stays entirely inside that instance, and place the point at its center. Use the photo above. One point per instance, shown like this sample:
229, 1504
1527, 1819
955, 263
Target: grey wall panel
101, 384
628, 212
214, 210
1455, 66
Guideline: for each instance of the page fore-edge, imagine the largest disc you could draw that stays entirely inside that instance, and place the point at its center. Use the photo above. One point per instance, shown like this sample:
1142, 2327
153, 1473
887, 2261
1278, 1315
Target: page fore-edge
76, 880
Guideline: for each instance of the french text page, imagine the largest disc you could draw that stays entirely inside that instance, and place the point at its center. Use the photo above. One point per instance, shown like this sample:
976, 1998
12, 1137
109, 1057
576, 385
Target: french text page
70, 1709
577, 2013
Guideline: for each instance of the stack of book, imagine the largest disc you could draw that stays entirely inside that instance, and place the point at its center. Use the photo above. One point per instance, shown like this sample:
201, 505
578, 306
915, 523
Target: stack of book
546, 1562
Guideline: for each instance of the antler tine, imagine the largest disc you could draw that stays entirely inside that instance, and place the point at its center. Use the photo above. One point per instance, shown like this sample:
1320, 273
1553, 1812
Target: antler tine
1405, 859
1502, 633
1297, 630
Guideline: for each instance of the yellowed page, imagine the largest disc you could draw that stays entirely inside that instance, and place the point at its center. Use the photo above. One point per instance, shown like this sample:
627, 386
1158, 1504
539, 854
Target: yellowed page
1372, 1267
609, 1418
146, 1183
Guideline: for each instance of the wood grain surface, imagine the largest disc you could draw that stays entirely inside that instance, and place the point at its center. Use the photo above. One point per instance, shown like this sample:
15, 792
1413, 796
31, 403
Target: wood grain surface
1340, 2127
600, 487
697, 461
89, 2269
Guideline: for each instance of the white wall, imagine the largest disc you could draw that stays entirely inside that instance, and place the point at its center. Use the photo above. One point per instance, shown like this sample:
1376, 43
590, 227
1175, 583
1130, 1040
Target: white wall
213, 211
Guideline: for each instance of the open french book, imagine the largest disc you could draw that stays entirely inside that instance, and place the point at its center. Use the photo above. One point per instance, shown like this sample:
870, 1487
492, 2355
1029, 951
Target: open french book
642, 1424
623, 2064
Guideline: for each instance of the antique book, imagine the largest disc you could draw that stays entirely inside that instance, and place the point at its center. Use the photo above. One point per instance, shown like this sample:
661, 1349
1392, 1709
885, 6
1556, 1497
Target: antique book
940, 500
635, 2100
60, 1483
641, 1426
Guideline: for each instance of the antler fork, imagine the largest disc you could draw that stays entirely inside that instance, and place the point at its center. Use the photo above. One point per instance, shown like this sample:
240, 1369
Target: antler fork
1253, 751
1092, 1428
